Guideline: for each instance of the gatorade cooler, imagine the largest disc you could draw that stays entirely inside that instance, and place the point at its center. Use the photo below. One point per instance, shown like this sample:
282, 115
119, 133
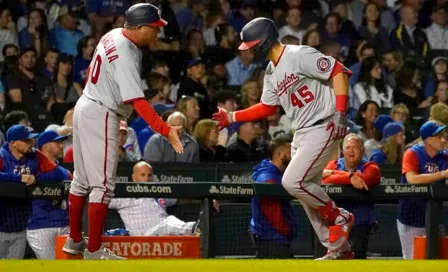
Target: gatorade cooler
420, 248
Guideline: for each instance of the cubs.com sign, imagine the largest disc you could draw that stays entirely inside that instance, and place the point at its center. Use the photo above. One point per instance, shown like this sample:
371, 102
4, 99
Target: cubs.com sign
144, 247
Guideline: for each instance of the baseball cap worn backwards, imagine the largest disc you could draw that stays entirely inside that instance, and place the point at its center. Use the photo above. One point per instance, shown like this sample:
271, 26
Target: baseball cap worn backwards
144, 14
48, 137
19, 133
430, 129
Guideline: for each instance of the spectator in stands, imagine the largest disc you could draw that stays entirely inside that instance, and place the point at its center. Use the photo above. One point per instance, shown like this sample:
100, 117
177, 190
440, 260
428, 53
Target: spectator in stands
272, 225
146, 132
289, 39
16, 117
353, 169
279, 124
408, 37
387, 16
192, 17
148, 216
370, 85
85, 49
64, 89
371, 29
8, 31
127, 152
194, 44
66, 129
189, 106
378, 126
250, 94
363, 51
158, 148
408, 89
25, 87
159, 88
20, 162
437, 32
292, 27
340, 7
391, 148
48, 220
246, 13
367, 114
393, 62
258, 75
439, 72
10, 50
332, 32
441, 94
424, 163
65, 35
36, 34
240, 68
101, 13
170, 33
224, 48
211, 141
332, 48
400, 113
212, 20
312, 38
50, 59
245, 148
192, 86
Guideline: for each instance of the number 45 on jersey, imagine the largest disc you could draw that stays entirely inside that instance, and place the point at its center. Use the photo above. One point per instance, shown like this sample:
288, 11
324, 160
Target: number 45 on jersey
301, 97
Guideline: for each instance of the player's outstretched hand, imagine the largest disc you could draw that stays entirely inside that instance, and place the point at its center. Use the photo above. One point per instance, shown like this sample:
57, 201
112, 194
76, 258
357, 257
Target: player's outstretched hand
339, 124
173, 138
223, 117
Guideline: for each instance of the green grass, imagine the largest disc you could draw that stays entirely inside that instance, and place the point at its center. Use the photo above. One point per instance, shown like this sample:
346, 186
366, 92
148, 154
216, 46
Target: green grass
225, 266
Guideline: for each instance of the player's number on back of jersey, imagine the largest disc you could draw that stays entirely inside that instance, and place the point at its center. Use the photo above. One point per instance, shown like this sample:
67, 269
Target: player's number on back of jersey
301, 97
96, 69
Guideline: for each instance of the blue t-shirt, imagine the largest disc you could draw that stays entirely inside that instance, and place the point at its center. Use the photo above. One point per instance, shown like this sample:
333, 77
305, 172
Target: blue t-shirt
107, 7
80, 69
66, 41
412, 210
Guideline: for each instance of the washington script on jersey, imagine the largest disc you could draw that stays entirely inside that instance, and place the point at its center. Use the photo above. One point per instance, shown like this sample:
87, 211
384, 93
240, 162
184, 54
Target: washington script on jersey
287, 82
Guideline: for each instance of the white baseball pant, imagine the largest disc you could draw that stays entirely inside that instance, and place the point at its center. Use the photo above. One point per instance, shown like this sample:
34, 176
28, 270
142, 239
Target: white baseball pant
43, 241
311, 151
95, 151
12, 245
407, 234
171, 226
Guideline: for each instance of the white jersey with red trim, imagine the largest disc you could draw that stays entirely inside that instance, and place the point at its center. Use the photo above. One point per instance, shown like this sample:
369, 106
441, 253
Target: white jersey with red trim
300, 83
114, 73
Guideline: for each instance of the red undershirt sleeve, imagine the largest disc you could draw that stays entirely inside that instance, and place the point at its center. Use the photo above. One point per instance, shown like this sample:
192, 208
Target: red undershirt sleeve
144, 109
256, 112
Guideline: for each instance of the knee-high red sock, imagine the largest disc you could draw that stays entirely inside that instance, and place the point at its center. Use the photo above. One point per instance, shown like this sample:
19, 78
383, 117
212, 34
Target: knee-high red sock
75, 211
97, 216
329, 212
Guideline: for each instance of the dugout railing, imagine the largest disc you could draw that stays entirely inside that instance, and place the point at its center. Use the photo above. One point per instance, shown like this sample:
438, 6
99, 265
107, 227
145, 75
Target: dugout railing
207, 191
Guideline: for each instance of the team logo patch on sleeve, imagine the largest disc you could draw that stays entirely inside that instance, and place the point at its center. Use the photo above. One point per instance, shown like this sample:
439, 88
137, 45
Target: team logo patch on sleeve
323, 64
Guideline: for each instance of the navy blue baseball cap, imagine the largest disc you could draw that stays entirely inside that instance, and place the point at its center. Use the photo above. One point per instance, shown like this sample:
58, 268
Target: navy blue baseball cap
381, 121
195, 61
392, 129
48, 137
430, 129
19, 133
144, 14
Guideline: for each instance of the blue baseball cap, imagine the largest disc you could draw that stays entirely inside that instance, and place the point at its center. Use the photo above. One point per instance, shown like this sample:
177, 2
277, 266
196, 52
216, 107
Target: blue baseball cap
160, 108
430, 129
19, 133
48, 137
195, 62
381, 121
392, 129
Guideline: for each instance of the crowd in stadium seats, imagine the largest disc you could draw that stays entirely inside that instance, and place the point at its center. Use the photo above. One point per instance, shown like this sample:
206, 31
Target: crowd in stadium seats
397, 51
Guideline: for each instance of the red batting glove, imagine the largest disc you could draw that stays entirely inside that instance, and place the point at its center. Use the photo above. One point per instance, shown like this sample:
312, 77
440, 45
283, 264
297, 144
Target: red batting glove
223, 117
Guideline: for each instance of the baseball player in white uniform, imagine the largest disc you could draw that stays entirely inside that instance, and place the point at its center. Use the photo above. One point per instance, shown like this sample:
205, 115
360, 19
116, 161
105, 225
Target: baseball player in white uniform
113, 88
148, 216
312, 89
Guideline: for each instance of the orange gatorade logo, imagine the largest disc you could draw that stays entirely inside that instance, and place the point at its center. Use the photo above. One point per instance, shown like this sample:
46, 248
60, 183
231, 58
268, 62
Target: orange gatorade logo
144, 247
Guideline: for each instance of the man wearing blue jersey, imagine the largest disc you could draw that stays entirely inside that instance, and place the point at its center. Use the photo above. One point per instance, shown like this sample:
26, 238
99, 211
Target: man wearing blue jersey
272, 225
49, 218
20, 162
423, 163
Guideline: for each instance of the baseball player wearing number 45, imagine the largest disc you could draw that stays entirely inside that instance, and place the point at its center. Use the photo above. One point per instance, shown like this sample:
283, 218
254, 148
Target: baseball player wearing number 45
113, 88
312, 89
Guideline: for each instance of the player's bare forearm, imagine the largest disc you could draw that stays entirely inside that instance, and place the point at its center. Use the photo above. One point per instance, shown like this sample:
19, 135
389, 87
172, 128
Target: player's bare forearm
256, 112
340, 84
